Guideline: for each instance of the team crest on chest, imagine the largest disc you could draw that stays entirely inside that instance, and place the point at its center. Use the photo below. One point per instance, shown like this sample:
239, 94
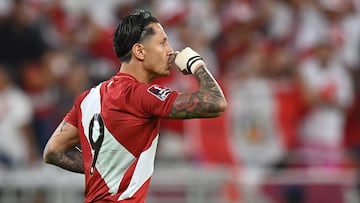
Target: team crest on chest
159, 92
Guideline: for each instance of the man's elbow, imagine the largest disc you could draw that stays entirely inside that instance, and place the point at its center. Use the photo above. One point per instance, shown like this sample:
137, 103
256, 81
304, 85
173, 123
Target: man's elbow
222, 105
46, 158
48, 152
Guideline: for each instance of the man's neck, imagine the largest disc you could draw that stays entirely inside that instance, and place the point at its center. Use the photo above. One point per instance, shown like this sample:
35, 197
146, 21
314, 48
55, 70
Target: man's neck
136, 70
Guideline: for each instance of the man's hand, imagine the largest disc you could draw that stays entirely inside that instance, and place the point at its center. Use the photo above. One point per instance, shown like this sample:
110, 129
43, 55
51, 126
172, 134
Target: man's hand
188, 61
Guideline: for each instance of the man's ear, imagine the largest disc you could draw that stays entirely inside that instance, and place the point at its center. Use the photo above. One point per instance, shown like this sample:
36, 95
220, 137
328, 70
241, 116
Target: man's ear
138, 51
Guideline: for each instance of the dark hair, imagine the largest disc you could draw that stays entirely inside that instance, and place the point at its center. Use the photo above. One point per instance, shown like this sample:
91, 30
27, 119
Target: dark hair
132, 29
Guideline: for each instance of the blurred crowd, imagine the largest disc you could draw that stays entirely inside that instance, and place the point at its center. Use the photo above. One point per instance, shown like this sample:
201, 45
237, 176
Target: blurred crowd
290, 70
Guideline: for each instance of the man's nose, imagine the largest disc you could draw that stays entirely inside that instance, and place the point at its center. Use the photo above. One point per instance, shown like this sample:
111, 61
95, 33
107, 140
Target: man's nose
172, 54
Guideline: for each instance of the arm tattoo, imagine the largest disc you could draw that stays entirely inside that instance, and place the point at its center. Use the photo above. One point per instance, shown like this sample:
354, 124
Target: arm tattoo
204, 103
63, 123
70, 160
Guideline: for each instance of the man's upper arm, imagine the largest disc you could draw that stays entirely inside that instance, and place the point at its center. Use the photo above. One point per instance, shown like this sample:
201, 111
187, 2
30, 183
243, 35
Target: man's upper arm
154, 100
64, 137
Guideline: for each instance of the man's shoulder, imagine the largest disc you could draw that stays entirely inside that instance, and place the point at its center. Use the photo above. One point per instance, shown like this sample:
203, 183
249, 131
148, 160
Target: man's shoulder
81, 96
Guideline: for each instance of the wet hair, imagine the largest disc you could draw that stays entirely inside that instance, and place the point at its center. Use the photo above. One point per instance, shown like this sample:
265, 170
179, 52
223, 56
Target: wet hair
132, 29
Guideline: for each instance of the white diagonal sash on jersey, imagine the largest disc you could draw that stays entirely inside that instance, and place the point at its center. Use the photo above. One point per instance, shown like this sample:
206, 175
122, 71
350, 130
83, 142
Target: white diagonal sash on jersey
112, 154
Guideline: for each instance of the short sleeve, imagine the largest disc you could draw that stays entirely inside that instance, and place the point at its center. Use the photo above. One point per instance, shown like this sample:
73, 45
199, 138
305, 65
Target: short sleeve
157, 100
73, 115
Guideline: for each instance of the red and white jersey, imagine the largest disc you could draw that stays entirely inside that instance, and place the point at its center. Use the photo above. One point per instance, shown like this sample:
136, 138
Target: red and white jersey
118, 123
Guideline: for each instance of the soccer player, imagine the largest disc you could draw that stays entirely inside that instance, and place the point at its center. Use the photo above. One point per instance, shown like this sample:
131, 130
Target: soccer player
117, 122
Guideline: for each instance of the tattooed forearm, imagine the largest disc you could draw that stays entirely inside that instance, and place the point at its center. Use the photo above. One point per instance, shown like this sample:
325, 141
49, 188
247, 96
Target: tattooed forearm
70, 160
208, 83
208, 101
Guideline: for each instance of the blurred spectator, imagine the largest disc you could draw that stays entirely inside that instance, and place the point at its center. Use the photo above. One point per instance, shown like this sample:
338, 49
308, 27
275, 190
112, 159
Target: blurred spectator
93, 39
255, 131
290, 109
20, 38
282, 20
17, 148
309, 27
73, 81
41, 85
344, 30
286, 87
329, 92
